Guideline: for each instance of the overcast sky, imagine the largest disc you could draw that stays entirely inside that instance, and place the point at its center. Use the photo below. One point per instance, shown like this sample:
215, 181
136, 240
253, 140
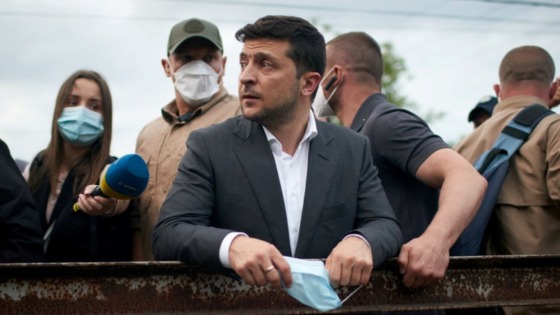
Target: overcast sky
452, 50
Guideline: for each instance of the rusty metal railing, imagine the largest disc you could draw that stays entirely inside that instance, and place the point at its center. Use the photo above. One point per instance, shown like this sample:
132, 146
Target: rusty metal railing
174, 288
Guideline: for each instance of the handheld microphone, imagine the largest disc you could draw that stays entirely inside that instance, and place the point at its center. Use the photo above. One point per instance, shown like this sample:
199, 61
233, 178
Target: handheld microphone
126, 178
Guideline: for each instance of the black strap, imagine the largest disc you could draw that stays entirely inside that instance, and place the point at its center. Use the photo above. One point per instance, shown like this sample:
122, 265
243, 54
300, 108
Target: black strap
494, 152
516, 133
531, 115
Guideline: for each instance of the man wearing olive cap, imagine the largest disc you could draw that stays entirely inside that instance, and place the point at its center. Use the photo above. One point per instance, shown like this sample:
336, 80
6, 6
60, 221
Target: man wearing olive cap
196, 65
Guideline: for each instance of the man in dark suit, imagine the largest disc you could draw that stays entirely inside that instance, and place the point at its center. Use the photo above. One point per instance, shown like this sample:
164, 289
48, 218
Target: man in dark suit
276, 182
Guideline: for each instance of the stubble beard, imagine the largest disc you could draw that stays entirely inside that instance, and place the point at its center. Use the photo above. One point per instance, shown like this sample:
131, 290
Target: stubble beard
279, 115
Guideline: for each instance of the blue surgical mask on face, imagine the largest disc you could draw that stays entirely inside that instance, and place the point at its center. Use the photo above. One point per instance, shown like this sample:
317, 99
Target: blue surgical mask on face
311, 285
80, 126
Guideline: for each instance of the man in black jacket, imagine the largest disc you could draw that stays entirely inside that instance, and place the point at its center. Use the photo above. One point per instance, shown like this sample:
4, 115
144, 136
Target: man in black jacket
20, 229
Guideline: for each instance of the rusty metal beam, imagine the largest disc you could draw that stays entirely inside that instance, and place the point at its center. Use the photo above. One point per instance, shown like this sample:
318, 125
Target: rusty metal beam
173, 288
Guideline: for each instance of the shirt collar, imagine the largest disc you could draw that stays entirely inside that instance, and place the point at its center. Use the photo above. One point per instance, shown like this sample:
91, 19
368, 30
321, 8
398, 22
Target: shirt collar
516, 103
170, 113
310, 133
366, 109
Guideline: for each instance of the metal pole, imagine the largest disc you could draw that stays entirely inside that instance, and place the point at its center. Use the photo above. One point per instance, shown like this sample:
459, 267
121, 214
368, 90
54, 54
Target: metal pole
174, 288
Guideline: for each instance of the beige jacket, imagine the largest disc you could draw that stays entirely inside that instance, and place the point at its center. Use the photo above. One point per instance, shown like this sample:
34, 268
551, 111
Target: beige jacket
162, 144
528, 207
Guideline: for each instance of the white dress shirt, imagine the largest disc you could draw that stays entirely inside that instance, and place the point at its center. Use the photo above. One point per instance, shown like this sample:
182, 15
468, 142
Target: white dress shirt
292, 172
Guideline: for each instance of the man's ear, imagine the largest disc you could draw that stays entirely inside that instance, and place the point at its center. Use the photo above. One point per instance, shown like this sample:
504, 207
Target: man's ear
224, 63
497, 91
166, 67
554, 94
310, 81
336, 79
331, 82
553, 87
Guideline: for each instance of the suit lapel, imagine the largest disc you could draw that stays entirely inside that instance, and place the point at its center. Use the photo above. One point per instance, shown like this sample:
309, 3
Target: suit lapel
320, 170
256, 159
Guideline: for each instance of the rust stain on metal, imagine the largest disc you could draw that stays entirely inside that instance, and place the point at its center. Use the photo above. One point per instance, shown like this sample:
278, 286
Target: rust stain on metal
173, 288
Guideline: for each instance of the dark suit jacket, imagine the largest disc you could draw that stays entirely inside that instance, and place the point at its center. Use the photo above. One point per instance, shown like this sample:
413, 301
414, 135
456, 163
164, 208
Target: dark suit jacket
227, 181
20, 226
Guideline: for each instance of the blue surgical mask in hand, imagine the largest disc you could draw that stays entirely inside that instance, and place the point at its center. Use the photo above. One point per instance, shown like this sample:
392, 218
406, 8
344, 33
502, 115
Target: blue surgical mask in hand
311, 285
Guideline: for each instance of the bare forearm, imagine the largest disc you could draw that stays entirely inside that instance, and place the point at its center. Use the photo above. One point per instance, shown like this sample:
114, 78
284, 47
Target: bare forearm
460, 197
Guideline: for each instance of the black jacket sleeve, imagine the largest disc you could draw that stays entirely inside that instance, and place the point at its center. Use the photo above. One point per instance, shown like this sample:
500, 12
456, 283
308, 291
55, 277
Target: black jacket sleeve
20, 227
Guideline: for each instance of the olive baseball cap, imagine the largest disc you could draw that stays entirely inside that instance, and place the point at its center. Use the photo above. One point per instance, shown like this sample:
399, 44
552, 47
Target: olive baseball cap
193, 28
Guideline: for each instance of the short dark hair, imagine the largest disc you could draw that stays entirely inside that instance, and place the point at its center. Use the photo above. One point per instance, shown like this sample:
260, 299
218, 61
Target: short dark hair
360, 52
307, 45
527, 63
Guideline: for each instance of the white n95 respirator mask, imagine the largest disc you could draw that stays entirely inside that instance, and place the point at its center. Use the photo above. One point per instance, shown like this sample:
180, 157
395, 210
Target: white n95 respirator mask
196, 82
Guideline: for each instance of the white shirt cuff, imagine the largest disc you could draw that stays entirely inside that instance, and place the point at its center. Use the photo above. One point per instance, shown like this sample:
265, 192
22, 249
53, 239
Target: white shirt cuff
358, 236
224, 248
